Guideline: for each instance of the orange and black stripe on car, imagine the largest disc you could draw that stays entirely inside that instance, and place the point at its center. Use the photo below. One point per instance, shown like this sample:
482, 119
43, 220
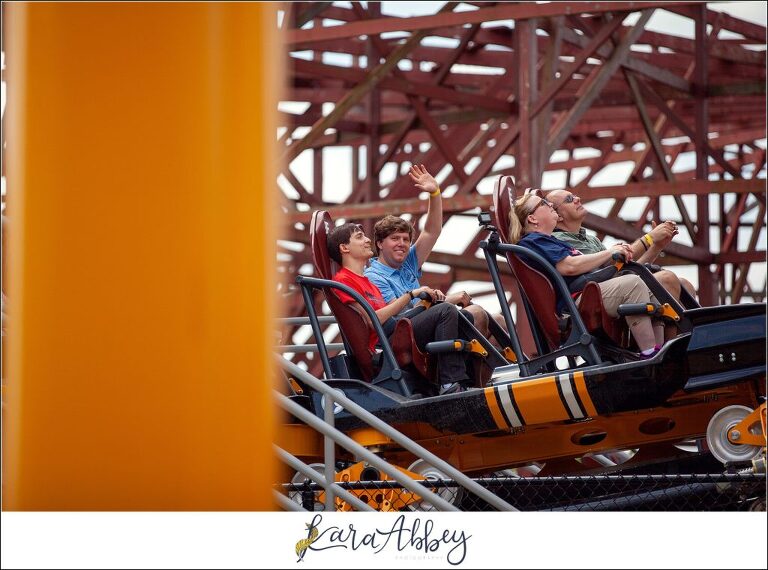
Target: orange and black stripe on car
542, 400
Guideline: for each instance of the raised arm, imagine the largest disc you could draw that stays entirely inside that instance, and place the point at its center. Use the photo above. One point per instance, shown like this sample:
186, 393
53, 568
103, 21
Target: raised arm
427, 239
650, 245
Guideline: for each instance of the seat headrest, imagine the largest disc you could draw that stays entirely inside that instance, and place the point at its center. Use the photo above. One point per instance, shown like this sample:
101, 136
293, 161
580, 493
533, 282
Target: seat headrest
503, 203
320, 226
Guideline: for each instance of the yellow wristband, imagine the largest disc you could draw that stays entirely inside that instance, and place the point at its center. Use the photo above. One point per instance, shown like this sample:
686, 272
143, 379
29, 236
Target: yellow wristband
648, 239
435, 193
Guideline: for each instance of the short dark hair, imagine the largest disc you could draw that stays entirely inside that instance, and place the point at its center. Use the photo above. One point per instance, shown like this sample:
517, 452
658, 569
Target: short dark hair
339, 235
388, 225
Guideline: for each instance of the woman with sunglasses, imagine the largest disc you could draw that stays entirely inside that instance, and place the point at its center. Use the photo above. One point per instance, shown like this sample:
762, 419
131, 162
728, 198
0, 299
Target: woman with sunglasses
531, 223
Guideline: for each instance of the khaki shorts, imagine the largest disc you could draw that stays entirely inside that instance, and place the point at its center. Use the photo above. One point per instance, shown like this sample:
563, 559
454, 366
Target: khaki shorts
623, 290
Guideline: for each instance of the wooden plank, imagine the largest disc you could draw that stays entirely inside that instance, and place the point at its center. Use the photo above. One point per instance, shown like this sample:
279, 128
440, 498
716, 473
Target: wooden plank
505, 11
594, 85
460, 203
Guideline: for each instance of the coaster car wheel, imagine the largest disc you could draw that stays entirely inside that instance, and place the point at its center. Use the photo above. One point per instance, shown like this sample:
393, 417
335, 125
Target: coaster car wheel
721, 447
299, 479
429, 473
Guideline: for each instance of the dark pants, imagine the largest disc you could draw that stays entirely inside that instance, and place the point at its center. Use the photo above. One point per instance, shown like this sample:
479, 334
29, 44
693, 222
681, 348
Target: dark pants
441, 322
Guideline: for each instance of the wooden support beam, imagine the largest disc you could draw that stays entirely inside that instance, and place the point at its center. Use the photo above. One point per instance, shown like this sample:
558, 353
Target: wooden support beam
708, 285
749, 30
437, 80
743, 268
655, 142
588, 51
525, 91
396, 207
359, 91
549, 75
593, 85
716, 155
659, 74
434, 131
731, 221
465, 262
304, 194
597, 163
660, 126
417, 104
457, 136
404, 85
504, 11
374, 109
740, 257
502, 144
314, 10
421, 111
463, 202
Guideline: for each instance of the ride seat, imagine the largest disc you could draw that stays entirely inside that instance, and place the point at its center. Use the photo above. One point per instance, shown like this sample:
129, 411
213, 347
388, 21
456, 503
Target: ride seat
354, 324
596, 320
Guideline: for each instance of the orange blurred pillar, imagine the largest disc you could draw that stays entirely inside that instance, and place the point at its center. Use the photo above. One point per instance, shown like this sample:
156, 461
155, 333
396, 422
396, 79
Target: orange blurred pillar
141, 202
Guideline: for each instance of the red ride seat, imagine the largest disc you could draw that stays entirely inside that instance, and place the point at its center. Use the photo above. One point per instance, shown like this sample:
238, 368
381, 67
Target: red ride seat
540, 291
596, 320
354, 324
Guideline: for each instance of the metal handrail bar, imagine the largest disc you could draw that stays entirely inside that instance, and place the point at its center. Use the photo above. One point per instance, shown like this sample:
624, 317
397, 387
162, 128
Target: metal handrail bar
345, 441
398, 437
329, 449
315, 325
301, 348
307, 471
579, 333
328, 319
393, 368
493, 269
287, 504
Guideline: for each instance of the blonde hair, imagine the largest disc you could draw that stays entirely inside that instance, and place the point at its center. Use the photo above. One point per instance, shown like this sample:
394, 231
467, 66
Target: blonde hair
520, 210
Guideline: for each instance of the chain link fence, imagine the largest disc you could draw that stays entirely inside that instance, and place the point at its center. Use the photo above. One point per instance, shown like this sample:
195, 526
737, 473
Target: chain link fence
679, 492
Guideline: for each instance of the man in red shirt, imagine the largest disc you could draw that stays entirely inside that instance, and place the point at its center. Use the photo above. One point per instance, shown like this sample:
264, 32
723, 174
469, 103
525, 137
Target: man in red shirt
350, 248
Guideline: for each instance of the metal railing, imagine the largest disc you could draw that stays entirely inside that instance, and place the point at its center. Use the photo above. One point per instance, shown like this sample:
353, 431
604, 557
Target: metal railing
324, 320
301, 348
307, 347
334, 436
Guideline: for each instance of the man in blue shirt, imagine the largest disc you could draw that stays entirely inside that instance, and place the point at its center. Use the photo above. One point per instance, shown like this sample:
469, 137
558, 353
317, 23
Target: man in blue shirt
398, 267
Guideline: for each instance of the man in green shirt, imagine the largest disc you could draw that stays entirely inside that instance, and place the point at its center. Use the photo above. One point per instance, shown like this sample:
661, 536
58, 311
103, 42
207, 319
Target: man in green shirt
644, 249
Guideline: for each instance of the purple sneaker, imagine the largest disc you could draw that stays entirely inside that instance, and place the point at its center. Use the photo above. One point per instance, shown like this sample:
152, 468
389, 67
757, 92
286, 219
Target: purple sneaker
656, 350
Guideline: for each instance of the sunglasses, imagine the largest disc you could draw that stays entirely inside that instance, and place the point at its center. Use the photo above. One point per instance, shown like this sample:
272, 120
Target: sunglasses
543, 202
567, 200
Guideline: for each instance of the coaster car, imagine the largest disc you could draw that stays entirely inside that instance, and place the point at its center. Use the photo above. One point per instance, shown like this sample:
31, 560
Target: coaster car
583, 392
